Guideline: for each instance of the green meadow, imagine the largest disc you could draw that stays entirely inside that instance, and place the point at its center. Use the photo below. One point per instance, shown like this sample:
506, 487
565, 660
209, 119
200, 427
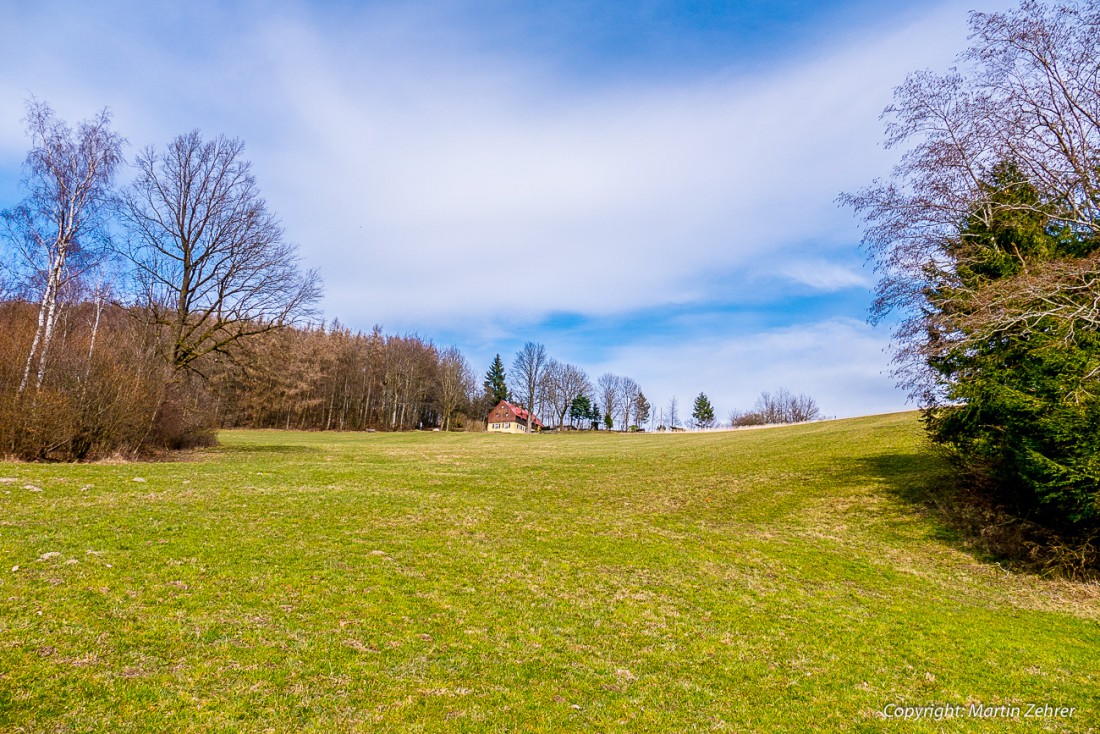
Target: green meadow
787, 579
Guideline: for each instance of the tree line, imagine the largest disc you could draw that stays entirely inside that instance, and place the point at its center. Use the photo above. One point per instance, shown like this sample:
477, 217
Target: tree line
148, 315
119, 303
775, 408
559, 391
145, 316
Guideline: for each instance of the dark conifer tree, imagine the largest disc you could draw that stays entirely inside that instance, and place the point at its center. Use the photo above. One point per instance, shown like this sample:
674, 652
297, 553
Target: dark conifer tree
703, 412
496, 388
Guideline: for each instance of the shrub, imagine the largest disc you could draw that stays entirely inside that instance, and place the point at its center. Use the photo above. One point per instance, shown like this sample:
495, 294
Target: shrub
105, 390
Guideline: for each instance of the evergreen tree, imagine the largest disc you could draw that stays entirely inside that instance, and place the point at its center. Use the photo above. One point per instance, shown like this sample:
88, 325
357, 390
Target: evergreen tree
642, 409
580, 409
594, 415
1024, 406
987, 238
703, 412
496, 389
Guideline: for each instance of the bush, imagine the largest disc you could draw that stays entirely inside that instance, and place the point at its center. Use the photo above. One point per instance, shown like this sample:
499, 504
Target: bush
102, 396
775, 408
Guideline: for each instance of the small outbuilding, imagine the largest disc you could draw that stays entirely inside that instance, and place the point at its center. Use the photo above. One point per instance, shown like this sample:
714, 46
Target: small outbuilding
508, 418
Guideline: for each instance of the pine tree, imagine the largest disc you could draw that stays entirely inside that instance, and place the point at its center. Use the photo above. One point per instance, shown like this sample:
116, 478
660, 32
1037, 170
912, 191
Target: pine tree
594, 415
580, 408
496, 389
641, 409
703, 412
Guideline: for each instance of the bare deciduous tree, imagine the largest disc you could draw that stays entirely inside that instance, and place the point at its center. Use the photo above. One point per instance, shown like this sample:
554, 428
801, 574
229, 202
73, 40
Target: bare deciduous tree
607, 386
782, 406
627, 399
673, 413
528, 368
564, 383
211, 261
456, 383
1025, 95
58, 227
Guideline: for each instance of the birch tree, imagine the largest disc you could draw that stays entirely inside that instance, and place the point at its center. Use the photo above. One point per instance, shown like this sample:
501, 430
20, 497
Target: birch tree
58, 229
673, 413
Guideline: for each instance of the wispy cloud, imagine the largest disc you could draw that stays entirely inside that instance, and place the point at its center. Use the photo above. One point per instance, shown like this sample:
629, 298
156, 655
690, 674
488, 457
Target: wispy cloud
429, 181
446, 185
415, 176
841, 362
825, 276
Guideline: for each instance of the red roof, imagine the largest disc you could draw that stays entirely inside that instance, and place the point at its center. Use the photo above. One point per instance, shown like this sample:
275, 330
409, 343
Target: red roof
519, 412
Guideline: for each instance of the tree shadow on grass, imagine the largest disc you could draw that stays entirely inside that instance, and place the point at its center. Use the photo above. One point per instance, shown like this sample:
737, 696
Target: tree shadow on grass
970, 520
922, 480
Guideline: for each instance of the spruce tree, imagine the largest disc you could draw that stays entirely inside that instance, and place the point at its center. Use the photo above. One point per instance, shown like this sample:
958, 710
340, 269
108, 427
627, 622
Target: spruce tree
703, 412
641, 409
580, 409
496, 389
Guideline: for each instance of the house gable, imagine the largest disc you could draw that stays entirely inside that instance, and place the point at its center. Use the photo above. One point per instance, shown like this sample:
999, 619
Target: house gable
508, 418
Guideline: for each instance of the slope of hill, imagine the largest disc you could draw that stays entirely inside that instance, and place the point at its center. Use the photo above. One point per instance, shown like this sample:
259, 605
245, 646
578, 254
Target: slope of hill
780, 580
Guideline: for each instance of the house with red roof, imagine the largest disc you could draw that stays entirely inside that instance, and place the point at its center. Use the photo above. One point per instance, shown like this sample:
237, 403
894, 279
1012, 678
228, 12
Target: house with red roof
508, 418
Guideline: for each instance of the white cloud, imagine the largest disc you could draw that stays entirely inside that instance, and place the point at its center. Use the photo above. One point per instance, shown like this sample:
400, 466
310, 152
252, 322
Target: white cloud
440, 187
416, 183
824, 276
414, 172
842, 363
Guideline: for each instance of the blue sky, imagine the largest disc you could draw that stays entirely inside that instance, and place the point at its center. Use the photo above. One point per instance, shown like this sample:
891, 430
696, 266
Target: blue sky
645, 187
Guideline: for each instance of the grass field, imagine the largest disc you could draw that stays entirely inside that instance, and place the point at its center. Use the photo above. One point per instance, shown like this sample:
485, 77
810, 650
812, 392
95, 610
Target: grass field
777, 580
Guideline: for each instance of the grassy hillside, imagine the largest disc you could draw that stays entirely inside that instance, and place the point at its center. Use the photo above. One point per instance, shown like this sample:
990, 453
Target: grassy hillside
781, 579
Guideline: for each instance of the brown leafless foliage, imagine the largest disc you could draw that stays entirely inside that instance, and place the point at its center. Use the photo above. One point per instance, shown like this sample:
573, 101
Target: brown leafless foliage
528, 369
455, 385
56, 232
105, 392
316, 378
779, 407
1026, 92
562, 383
1065, 291
212, 263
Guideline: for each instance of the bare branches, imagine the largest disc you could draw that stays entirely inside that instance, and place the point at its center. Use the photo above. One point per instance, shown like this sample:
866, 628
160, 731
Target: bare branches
776, 408
628, 400
211, 262
562, 384
1026, 97
1062, 294
455, 385
609, 392
529, 365
58, 228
